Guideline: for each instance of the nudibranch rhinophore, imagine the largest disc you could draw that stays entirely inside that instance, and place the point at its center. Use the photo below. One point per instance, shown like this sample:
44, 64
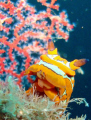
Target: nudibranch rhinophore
54, 75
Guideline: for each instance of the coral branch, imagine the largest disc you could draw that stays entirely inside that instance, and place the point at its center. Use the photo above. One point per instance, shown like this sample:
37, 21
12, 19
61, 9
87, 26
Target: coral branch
25, 33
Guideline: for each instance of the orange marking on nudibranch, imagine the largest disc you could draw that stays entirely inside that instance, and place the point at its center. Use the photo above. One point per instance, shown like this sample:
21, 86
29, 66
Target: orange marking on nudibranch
52, 94
58, 64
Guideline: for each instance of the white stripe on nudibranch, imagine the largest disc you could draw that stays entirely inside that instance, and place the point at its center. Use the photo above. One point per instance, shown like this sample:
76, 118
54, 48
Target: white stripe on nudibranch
54, 68
72, 78
53, 56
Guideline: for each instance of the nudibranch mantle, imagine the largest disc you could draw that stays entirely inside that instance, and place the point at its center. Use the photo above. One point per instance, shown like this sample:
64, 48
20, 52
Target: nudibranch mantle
52, 67
54, 72
54, 75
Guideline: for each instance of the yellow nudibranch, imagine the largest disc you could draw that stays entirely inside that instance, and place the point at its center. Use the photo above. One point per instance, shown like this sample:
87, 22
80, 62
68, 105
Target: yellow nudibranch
55, 75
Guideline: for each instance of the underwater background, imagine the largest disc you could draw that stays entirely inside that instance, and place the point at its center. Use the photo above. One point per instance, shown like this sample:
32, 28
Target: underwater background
77, 47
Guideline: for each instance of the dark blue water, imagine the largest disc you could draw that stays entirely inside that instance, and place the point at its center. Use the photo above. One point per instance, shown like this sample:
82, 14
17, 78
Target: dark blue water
78, 46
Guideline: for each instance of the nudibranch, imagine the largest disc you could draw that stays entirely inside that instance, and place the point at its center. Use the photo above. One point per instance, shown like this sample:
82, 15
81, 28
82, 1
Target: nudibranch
54, 75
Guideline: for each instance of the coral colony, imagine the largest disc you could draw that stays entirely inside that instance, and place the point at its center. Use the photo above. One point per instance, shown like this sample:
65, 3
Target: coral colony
24, 33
